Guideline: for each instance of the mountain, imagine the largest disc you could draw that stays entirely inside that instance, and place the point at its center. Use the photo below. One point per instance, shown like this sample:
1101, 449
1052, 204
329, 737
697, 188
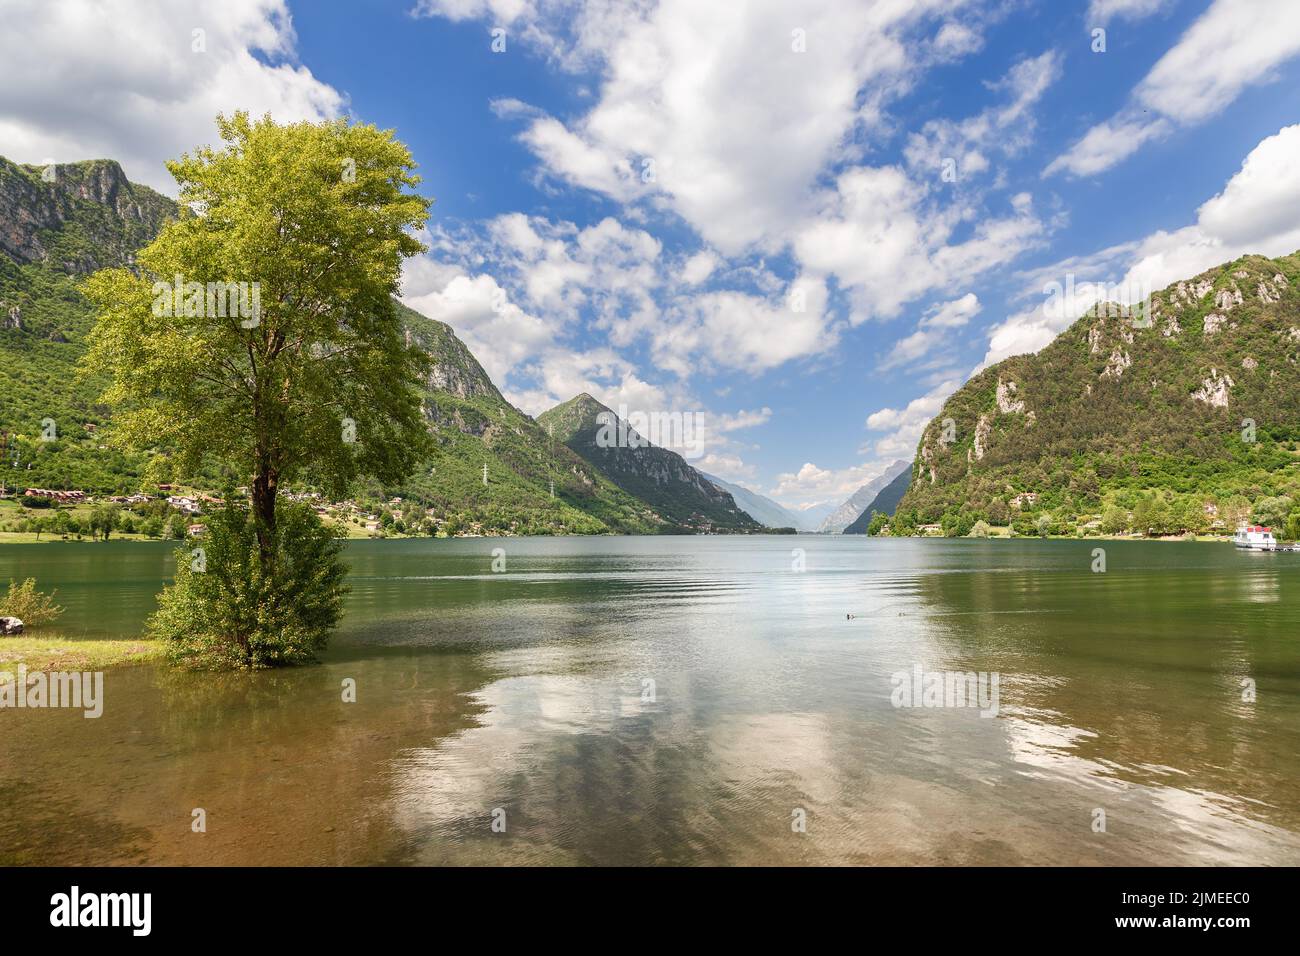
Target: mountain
812, 516
535, 484
884, 503
57, 227
762, 509
1188, 413
841, 517
660, 477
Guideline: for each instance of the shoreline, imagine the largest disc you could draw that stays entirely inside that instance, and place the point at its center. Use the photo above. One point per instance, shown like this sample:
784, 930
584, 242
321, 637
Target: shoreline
56, 653
22, 537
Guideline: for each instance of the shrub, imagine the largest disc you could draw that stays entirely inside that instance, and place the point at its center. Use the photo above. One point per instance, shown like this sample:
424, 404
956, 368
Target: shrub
29, 605
227, 609
1113, 520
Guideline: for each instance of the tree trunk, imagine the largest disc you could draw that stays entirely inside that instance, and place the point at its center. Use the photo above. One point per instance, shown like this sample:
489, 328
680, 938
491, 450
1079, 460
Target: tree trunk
265, 485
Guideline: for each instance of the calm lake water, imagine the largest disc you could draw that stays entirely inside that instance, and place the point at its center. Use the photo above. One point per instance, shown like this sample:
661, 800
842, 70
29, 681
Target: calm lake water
525, 692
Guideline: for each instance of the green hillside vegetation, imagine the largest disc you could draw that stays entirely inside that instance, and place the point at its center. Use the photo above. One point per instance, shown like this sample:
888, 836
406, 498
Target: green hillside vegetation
1185, 422
54, 234
473, 425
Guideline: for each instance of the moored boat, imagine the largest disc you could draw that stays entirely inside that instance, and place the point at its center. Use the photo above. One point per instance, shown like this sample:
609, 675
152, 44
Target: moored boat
1258, 538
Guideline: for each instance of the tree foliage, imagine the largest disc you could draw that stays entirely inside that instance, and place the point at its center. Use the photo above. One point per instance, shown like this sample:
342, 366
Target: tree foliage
229, 608
29, 605
320, 380
259, 334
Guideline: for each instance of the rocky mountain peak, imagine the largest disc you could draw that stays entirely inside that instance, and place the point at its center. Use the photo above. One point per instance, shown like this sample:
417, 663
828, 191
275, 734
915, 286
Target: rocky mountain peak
77, 217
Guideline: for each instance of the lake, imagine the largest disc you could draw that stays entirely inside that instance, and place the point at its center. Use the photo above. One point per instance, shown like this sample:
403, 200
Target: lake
693, 700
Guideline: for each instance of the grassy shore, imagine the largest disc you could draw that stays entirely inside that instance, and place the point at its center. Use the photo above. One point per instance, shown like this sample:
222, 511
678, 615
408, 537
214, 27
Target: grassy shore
55, 653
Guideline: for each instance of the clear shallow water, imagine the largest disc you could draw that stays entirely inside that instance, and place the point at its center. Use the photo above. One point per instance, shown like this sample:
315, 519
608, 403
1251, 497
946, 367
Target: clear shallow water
524, 691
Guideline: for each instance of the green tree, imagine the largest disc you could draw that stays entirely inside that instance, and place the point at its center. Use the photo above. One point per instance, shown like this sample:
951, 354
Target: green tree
104, 520
1113, 520
1273, 511
956, 524
306, 226
29, 605
1161, 517
1143, 512
233, 610
999, 513
312, 374
903, 524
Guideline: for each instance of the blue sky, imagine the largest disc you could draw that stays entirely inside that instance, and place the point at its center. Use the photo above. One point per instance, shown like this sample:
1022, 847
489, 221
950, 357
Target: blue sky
738, 211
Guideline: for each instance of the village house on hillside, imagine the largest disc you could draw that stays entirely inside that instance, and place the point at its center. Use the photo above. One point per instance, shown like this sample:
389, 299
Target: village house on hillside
73, 496
184, 503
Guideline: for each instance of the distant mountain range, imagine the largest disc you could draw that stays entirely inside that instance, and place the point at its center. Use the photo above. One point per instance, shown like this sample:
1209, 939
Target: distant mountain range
885, 503
851, 509
761, 508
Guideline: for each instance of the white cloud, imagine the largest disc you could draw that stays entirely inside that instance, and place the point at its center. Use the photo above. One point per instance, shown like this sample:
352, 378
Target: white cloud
498, 332
934, 328
86, 79
903, 426
736, 138
559, 374
1107, 144
956, 40
1233, 45
880, 209
1101, 12
743, 419
699, 267
581, 162
811, 485
1258, 211
758, 147
732, 329
557, 269
955, 313
730, 467
504, 12
1005, 128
